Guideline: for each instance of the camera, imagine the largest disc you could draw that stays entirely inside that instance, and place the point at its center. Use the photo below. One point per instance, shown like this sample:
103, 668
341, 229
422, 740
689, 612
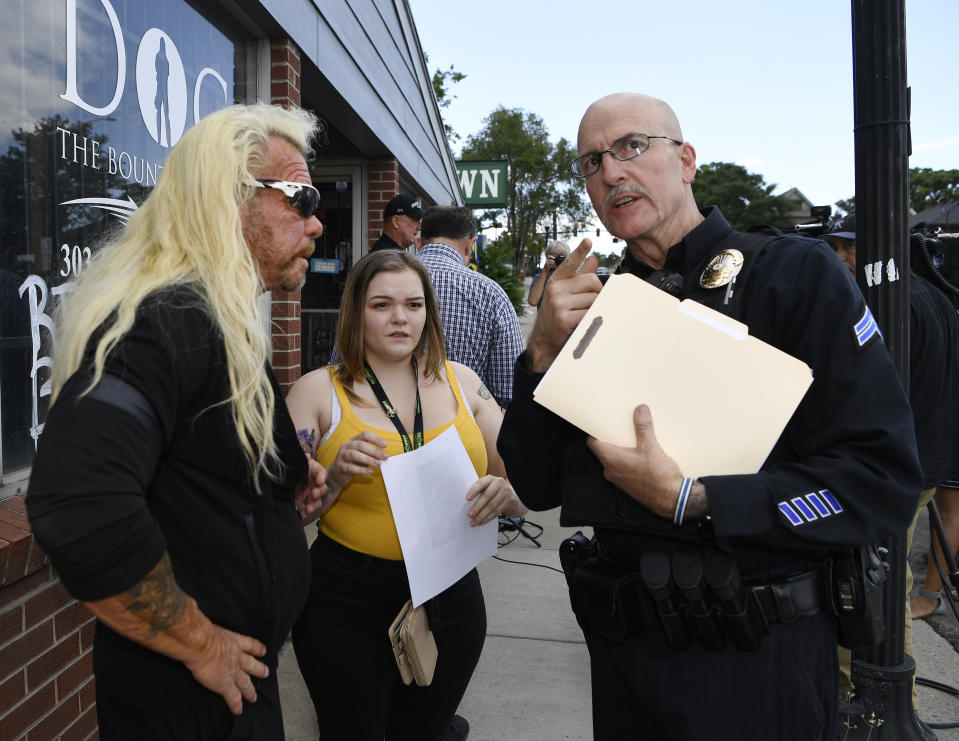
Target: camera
558, 259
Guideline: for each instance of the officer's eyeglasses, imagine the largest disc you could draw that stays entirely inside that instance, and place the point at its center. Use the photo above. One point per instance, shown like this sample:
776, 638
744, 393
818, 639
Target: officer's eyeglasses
303, 197
627, 148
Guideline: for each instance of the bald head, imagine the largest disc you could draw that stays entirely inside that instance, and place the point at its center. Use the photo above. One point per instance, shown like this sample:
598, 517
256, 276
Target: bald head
642, 193
630, 109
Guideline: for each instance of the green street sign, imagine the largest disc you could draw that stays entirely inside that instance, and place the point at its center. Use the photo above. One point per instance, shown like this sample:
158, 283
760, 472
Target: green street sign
483, 183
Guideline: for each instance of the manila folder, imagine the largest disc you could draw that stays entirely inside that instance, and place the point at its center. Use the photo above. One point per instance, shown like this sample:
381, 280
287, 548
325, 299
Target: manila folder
719, 398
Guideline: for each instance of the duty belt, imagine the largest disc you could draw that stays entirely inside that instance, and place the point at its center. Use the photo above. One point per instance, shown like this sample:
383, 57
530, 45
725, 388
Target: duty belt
787, 601
688, 596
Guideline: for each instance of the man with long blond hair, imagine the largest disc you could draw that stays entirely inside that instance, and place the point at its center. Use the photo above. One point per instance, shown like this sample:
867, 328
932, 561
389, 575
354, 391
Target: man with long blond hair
169, 488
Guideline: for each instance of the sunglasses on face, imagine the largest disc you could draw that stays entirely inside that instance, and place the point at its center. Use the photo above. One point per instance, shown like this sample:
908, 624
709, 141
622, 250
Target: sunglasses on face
303, 197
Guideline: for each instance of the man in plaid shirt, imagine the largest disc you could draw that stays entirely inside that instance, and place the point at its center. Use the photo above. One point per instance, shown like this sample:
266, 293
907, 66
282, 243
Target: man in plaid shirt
480, 323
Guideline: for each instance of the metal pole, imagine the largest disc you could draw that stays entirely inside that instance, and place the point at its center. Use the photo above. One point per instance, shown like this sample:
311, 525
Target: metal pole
883, 677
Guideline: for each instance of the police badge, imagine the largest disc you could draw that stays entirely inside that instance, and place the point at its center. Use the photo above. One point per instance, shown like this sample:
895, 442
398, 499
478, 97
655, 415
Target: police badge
721, 269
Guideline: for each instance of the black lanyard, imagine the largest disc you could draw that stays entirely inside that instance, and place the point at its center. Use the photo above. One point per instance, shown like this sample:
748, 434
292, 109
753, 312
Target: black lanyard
380, 394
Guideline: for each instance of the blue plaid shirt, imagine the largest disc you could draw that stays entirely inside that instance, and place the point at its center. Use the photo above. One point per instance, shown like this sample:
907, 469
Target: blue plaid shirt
482, 331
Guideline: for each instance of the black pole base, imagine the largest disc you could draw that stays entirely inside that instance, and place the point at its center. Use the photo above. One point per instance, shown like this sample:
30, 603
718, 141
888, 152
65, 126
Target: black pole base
881, 706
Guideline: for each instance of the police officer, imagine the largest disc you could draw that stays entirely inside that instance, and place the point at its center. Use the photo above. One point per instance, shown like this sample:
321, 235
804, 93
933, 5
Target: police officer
702, 604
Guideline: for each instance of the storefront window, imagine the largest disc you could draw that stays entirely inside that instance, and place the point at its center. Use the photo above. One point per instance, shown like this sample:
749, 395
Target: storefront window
93, 94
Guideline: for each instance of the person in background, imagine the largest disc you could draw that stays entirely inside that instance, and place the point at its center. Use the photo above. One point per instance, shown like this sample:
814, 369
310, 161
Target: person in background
933, 395
401, 224
843, 473
556, 252
169, 489
479, 322
393, 361
930, 599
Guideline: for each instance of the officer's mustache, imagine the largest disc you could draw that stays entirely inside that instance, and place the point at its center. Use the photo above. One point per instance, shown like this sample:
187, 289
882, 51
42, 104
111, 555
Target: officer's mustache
626, 190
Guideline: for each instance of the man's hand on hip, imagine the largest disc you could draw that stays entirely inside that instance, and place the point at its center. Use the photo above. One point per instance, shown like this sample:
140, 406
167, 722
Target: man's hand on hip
225, 665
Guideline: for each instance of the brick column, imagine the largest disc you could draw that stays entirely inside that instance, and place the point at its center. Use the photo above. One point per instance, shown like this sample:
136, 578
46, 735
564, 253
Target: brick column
383, 184
286, 328
46, 642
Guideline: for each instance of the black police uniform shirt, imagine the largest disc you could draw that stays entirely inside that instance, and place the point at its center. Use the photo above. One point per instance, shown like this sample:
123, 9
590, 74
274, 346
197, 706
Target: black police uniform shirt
933, 380
114, 486
385, 243
844, 471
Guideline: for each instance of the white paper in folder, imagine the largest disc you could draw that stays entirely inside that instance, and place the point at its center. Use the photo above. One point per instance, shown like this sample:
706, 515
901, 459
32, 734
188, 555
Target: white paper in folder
719, 398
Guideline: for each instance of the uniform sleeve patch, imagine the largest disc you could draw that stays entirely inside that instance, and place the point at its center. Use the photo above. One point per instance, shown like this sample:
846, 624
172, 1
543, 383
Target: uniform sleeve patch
811, 507
866, 329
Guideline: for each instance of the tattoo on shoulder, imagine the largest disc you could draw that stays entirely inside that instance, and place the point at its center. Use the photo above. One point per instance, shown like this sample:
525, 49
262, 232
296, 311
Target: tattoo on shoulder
157, 598
307, 439
483, 392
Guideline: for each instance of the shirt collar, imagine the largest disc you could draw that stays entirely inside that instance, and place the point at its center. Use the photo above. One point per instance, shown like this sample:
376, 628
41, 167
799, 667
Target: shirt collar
690, 250
444, 250
388, 238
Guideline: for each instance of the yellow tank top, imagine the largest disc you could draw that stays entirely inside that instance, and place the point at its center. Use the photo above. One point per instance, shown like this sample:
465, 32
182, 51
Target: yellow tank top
361, 517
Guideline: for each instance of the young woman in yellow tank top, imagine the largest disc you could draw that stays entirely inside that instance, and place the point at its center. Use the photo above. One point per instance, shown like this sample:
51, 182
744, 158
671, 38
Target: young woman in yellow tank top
389, 335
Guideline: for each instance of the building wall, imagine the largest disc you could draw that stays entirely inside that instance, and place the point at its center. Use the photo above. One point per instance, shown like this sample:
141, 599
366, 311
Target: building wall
382, 185
285, 325
46, 643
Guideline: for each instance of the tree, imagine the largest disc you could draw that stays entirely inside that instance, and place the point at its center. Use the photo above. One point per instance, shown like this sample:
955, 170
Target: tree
610, 260
928, 187
742, 196
540, 183
846, 206
443, 80
494, 260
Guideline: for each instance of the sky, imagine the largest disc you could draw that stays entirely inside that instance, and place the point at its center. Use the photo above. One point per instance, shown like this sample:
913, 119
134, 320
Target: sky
762, 83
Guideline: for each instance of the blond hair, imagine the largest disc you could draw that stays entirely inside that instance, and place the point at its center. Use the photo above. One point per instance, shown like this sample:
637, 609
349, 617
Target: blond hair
189, 233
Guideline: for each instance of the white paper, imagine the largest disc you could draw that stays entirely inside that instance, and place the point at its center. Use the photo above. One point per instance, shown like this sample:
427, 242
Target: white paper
427, 492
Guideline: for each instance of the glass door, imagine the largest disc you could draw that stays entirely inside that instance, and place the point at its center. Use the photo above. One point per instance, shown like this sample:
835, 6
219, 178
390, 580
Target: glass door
336, 250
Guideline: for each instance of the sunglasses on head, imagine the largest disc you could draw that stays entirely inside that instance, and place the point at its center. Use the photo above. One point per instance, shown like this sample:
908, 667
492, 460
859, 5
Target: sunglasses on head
303, 197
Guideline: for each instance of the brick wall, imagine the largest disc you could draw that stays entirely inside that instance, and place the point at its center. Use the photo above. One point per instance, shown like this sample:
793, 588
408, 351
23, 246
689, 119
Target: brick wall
286, 328
46, 640
383, 184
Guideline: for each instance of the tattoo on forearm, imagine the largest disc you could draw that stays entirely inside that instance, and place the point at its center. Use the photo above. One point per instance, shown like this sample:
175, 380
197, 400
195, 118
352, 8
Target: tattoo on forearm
157, 598
307, 440
484, 392
696, 506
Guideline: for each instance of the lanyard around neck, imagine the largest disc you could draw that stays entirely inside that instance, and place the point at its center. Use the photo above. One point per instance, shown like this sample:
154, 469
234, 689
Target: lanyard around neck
380, 393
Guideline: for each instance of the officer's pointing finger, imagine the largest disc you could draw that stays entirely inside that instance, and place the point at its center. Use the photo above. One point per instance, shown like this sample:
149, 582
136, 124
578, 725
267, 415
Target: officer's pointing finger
573, 261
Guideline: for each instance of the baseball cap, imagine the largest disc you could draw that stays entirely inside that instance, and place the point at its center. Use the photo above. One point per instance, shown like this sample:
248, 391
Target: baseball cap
844, 227
404, 205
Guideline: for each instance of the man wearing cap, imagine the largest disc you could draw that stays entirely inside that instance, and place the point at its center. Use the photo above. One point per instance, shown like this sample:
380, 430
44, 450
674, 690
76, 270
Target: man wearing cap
401, 224
933, 387
843, 240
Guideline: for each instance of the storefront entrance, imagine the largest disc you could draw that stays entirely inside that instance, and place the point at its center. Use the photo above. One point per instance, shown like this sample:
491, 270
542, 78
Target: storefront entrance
336, 251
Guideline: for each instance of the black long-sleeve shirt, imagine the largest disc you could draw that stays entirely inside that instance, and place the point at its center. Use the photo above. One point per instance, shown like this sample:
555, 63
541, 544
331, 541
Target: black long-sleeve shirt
150, 462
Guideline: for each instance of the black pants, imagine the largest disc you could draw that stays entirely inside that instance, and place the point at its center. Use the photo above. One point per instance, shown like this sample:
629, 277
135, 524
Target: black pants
260, 721
787, 690
345, 656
